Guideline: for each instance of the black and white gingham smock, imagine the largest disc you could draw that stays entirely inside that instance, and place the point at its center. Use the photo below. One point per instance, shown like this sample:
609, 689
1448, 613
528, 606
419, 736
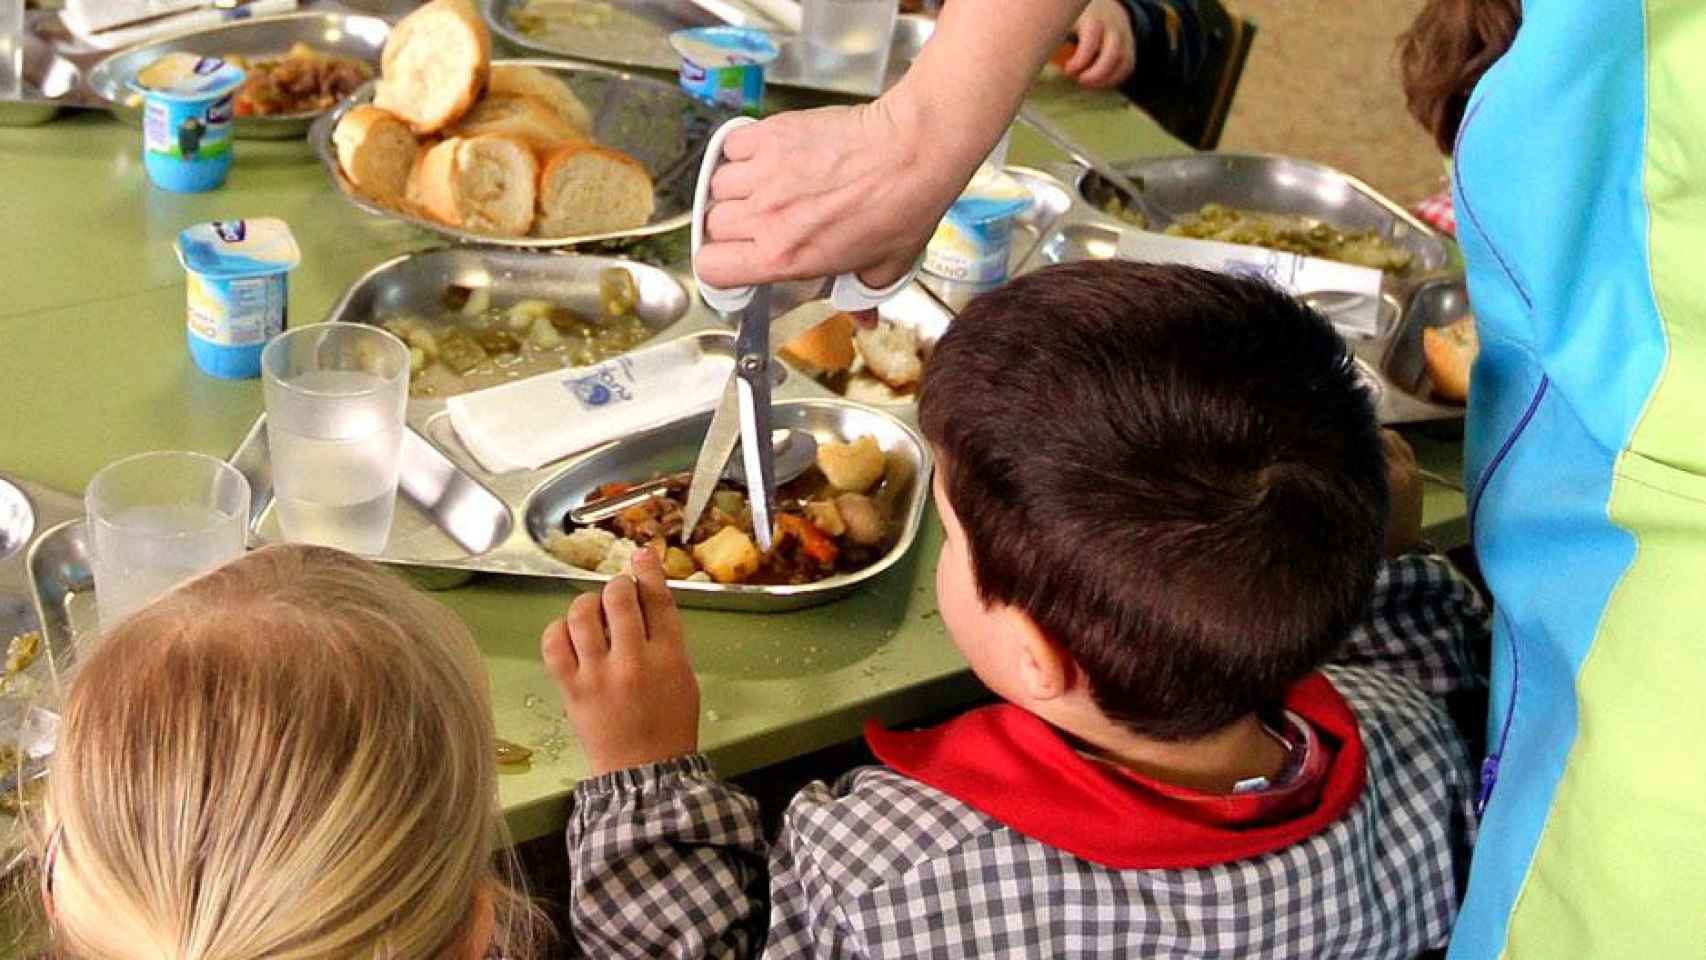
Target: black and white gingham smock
667, 861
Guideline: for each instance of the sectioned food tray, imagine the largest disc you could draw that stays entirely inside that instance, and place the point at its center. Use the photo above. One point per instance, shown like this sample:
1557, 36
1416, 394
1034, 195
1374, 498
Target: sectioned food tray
1289, 186
454, 514
650, 120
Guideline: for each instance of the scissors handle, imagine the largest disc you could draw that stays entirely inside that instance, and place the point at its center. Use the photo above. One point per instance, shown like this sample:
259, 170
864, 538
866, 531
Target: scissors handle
849, 292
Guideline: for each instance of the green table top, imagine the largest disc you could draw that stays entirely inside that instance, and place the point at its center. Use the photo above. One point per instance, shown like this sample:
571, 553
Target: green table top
93, 367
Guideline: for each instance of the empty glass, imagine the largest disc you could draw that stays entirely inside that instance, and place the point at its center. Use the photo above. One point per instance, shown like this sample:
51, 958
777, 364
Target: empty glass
850, 28
335, 395
158, 519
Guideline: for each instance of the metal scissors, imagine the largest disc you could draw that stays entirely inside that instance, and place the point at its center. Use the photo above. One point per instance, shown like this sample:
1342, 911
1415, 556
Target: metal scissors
742, 417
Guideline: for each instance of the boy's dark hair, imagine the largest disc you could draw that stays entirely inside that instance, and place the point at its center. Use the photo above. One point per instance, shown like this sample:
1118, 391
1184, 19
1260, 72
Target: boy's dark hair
1177, 474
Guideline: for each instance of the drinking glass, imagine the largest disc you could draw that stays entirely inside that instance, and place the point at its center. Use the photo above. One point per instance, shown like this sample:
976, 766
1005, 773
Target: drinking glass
850, 28
158, 519
11, 49
335, 396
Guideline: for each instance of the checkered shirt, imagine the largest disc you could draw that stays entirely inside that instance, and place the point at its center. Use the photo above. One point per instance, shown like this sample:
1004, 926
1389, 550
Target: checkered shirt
667, 861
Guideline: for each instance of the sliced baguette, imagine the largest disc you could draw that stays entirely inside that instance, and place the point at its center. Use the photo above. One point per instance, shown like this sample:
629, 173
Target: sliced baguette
480, 184
1449, 353
376, 151
434, 65
824, 349
587, 189
523, 118
518, 80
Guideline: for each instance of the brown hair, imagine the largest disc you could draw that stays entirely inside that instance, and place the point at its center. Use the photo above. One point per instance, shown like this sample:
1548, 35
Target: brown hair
1176, 474
1444, 54
289, 757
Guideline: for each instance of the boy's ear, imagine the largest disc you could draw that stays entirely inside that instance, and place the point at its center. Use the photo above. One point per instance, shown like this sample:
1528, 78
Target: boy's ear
1046, 670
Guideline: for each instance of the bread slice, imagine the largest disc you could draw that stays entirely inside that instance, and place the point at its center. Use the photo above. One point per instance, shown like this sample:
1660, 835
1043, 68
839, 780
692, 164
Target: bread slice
518, 80
1449, 352
376, 151
480, 184
824, 349
523, 118
434, 65
891, 353
587, 189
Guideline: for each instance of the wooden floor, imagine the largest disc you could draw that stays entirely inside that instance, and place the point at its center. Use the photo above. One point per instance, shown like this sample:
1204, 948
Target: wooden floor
1322, 83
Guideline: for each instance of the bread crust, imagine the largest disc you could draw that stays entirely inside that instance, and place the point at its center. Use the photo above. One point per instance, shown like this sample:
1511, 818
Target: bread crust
568, 153
1449, 354
400, 95
355, 129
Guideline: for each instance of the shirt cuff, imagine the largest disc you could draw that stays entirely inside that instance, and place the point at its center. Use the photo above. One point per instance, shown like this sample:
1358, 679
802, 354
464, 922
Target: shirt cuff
649, 778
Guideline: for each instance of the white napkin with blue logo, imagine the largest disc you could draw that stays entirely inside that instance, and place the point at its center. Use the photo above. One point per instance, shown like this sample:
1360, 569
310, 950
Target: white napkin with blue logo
529, 423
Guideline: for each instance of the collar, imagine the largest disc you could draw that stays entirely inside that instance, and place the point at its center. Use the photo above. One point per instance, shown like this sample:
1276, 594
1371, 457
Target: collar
1014, 767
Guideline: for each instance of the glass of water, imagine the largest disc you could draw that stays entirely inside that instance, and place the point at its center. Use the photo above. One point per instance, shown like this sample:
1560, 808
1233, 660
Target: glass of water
850, 28
158, 519
335, 395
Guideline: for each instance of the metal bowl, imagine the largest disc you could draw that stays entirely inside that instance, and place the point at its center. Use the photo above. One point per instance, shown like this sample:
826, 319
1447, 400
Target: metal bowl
654, 122
673, 448
50, 82
17, 519
1280, 185
341, 34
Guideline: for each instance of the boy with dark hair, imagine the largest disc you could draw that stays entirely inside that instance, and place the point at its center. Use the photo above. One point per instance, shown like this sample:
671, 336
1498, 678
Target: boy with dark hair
1166, 502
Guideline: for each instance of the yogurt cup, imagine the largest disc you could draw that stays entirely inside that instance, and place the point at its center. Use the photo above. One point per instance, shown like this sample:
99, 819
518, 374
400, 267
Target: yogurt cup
724, 66
237, 273
973, 243
186, 120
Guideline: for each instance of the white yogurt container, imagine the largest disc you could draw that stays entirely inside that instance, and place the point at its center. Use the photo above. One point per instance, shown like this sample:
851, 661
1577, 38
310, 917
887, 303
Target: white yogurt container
237, 274
974, 241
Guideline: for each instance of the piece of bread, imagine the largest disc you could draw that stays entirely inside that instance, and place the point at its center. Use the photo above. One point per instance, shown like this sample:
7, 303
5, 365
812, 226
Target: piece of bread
517, 80
522, 118
481, 184
376, 151
434, 65
891, 352
824, 349
588, 189
1449, 354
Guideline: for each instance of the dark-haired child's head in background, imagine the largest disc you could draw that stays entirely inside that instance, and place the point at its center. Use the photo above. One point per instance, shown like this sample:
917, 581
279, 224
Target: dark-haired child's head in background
1172, 476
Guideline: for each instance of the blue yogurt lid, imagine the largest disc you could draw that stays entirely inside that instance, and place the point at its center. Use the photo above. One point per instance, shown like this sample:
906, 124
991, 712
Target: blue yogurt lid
716, 47
238, 248
187, 76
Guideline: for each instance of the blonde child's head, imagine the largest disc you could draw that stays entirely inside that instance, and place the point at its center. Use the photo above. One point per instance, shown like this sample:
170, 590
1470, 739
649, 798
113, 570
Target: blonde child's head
289, 757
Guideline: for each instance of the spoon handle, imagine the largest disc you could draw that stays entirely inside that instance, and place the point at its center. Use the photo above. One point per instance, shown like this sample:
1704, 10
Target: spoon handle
607, 507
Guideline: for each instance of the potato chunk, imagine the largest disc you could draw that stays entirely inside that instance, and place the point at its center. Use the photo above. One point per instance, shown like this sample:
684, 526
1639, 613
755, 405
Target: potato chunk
729, 557
851, 467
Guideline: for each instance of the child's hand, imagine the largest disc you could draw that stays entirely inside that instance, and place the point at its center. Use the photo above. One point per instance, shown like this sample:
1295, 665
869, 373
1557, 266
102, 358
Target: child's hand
1404, 484
628, 687
1106, 53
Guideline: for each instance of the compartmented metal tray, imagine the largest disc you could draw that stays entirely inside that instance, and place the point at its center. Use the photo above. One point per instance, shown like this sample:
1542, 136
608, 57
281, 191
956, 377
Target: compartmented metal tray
455, 515
343, 34
1286, 185
637, 35
50, 83
650, 120
1051, 202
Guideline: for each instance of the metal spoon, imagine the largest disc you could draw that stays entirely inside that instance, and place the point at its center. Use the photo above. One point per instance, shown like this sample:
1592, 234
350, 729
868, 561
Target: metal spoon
796, 451
1135, 197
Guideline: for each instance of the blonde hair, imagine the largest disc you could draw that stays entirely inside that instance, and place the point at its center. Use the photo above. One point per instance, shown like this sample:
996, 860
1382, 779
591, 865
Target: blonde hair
290, 757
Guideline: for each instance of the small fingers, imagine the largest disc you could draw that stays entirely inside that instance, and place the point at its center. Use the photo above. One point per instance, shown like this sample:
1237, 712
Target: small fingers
663, 619
558, 652
586, 629
1090, 31
622, 614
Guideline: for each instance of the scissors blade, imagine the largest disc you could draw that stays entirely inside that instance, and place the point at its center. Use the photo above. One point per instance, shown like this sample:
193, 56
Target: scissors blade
719, 445
752, 368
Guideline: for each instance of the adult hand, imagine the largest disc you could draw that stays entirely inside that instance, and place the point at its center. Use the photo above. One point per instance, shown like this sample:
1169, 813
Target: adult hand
1404, 486
621, 664
1106, 52
817, 193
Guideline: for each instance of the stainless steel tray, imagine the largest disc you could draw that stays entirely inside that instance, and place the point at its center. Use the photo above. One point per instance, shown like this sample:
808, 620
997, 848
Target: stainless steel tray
648, 119
343, 34
453, 514
1434, 304
1052, 201
1287, 186
638, 36
50, 82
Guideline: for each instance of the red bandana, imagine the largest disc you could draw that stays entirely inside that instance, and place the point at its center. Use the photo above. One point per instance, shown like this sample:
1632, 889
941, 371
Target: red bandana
1016, 768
